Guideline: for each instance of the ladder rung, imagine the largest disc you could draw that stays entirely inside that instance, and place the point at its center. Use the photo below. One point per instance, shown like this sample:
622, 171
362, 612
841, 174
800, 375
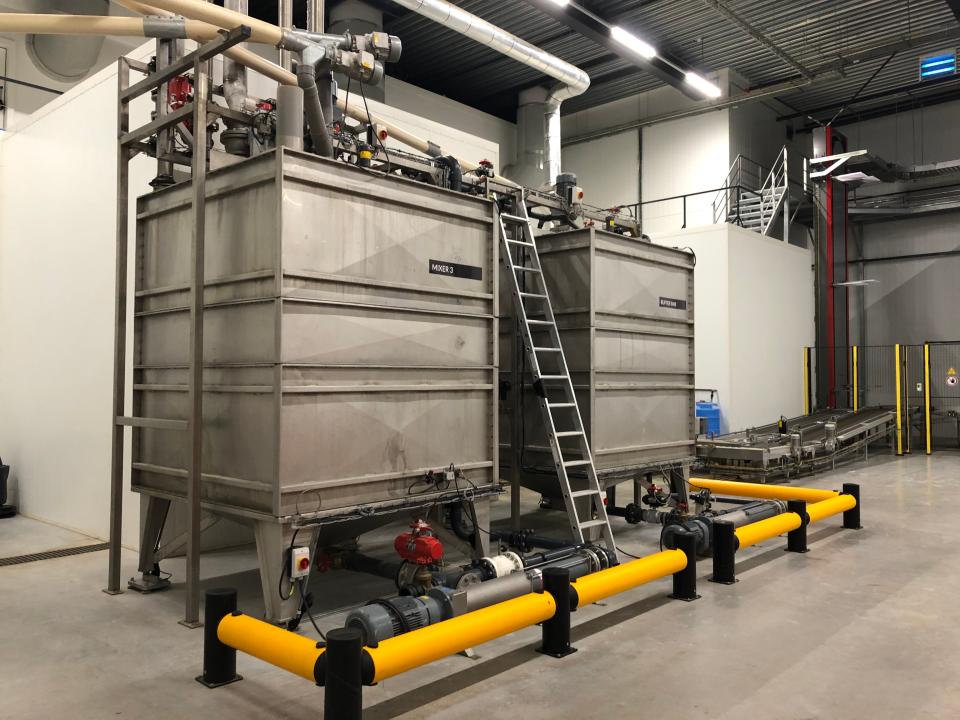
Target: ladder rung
560, 405
516, 219
546, 349
539, 322
153, 423
592, 523
583, 493
554, 377
534, 295
577, 463
569, 433
521, 268
520, 242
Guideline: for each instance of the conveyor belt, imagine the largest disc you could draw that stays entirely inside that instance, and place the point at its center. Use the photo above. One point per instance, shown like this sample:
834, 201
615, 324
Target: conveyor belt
808, 444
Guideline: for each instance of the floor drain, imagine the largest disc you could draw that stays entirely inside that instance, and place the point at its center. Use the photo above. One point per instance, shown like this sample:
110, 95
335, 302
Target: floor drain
50, 554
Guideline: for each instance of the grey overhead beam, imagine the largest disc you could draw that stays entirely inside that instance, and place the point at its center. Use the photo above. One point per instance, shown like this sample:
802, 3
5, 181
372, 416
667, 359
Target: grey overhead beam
955, 6
597, 29
757, 35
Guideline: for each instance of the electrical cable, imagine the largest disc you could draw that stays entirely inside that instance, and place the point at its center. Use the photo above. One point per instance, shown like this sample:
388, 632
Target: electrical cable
630, 555
366, 107
305, 606
285, 569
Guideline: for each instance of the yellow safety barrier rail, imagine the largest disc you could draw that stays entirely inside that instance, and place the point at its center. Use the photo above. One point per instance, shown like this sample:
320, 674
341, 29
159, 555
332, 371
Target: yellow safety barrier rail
343, 666
727, 539
762, 491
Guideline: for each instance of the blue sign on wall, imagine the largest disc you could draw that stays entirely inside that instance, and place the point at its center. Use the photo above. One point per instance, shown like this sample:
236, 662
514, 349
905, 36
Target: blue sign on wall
937, 66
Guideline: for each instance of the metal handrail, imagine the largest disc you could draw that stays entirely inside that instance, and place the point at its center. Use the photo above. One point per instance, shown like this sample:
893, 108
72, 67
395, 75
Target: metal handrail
773, 192
737, 176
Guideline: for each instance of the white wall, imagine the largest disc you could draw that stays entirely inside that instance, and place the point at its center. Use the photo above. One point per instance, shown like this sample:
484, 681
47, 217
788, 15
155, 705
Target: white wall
57, 230
448, 114
753, 312
22, 101
57, 250
913, 300
711, 309
771, 320
608, 169
679, 157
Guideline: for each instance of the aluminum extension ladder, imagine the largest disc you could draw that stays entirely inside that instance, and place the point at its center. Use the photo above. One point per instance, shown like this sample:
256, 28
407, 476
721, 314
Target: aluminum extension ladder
554, 386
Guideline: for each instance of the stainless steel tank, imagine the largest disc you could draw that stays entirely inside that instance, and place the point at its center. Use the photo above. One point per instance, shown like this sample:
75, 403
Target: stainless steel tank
624, 310
350, 342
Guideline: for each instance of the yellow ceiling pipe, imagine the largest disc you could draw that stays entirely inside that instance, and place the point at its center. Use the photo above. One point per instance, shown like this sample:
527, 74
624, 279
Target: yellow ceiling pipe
241, 55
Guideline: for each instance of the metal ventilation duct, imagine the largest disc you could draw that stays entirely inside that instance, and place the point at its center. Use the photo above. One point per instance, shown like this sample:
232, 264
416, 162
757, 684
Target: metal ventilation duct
64, 57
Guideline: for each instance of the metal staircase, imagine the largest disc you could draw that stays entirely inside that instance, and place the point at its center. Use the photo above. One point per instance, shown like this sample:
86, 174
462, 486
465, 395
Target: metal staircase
552, 383
754, 209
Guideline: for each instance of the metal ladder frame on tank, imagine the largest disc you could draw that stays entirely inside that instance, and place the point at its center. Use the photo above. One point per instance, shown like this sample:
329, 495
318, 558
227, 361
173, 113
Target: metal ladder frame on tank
517, 241
131, 143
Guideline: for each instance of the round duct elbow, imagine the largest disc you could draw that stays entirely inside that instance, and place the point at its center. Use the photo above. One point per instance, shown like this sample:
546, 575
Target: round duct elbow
63, 57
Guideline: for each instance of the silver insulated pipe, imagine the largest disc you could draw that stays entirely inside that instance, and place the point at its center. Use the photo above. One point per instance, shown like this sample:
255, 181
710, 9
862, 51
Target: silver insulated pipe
572, 80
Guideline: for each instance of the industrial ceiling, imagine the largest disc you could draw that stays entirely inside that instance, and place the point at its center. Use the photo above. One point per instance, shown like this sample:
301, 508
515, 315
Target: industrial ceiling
809, 58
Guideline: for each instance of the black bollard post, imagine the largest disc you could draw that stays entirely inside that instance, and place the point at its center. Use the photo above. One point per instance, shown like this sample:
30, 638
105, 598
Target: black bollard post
343, 696
851, 518
556, 630
219, 660
685, 581
797, 539
724, 544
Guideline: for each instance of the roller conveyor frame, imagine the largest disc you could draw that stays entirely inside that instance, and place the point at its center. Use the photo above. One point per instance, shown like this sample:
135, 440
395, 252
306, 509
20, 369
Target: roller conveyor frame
807, 446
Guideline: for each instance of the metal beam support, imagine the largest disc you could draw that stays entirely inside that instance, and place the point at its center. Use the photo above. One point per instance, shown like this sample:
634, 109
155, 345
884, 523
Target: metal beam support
128, 145
955, 6
753, 32
204, 52
119, 336
201, 89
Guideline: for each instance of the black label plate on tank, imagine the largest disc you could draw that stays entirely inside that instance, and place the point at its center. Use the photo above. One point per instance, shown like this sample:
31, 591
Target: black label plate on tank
673, 303
452, 269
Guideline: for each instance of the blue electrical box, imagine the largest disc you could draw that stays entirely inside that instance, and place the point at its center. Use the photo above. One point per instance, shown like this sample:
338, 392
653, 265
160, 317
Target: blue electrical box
710, 411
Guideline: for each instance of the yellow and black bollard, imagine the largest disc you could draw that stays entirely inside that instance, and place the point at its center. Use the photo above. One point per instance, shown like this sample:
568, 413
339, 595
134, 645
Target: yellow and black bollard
685, 580
219, 660
797, 539
724, 542
851, 517
343, 676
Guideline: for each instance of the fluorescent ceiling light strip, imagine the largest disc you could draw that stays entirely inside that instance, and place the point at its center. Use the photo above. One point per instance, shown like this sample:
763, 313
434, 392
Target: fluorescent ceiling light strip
702, 84
631, 41
933, 63
941, 71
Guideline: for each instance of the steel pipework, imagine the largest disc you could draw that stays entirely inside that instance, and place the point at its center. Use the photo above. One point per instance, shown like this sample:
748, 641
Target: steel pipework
764, 492
263, 32
606, 583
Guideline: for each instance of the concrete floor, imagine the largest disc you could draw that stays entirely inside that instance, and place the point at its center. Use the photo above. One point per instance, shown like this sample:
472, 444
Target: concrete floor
860, 627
